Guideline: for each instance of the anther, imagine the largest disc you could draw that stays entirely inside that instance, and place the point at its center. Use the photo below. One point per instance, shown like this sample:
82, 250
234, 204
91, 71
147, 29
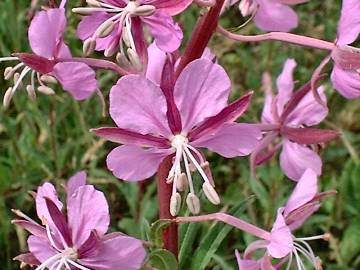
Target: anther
89, 46
175, 204
105, 29
210, 193
193, 203
182, 182
16, 79
46, 90
145, 10
247, 7
8, 73
93, 3
48, 79
31, 92
7, 98
134, 59
83, 11
110, 51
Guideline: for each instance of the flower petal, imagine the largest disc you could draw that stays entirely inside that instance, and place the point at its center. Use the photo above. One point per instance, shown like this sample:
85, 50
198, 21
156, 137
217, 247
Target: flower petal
201, 91
117, 253
76, 78
87, 211
296, 158
231, 140
166, 32
139, 105
75, 181
27, 258
309, 112
40, 248
246, 264
46, 31
281, 241
349, 24
132, 163
346, 82
156, 63
47, 190
285, 84
31, 227
305, 191
274, 16
170, 7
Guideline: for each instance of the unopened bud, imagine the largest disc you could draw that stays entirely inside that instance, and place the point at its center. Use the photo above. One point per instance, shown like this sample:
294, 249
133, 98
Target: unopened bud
105, 29
48, 79
8, 73
46, 90
182, 182
247, 7
145, 10
175, 204
89, 46
7, 98
93, 3
134, 59
31, 92
211, 193
193, 203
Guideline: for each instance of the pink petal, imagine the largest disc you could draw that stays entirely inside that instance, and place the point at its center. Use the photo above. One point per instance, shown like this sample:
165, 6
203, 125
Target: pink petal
166, 32
309, 112
41, 248
281, 242
231, 140
123, 136
305, 191
76, 78
170, 7
309, 135
46, 30
156, 63
349, 24
267, 115
28, 259
285, 84
133, 163
46, 190
296, 158
76, 181
118, 253
201, 91
31, 227
246, 264
139, 105
274, 16
346, 82
87, 211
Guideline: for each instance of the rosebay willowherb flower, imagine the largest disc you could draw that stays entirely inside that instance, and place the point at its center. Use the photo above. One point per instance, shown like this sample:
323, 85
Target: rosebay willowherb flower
270, 15
346, 73
46, 41
288, 116
116, 27
77, 240
177, 118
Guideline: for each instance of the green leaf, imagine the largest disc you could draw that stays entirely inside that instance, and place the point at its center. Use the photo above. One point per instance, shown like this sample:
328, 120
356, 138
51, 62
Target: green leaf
350, 244
156, 231
162, 259
187, 243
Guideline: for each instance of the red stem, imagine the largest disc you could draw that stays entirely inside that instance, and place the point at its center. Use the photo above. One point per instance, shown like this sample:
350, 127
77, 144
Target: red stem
170, 236
204, 29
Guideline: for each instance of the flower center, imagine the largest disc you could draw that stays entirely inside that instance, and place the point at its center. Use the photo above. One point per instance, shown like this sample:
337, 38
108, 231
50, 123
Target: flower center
187, 159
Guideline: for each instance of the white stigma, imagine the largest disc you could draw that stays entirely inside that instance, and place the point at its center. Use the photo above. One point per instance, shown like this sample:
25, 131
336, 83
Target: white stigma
191, 159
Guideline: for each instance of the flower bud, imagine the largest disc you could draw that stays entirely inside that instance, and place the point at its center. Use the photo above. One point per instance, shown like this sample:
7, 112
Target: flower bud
193, 203
145, 10
211, 193
48, 79
89, 46
182, 182
8, 73
31, 92
7, 98
105, 29
46, 90
175, 204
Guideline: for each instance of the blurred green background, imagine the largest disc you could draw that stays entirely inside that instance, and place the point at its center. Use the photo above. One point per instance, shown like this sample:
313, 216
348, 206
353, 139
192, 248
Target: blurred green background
49, 140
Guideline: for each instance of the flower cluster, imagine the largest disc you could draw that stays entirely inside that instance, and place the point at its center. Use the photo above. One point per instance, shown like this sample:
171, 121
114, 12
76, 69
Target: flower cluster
168, 106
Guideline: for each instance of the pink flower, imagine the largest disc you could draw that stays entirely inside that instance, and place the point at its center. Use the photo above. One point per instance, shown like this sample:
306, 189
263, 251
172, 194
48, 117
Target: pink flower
289, 115
346, 73
46, 40
176, 118
282, 244
77, 240
270, 15
118, 24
